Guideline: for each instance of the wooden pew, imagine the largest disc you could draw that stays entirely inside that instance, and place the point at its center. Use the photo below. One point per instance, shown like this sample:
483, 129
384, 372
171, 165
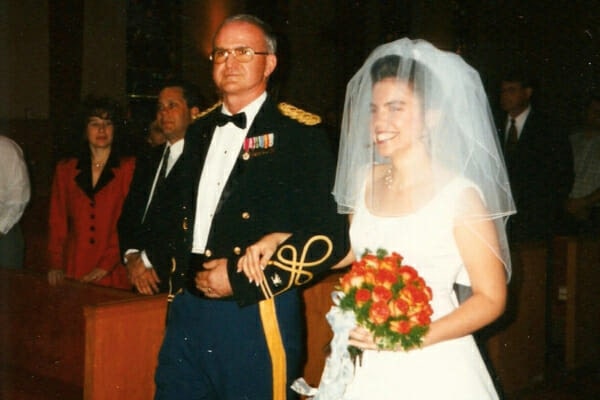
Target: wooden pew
121, 347
81, 341
317, 301
76, 341
517, 341
575, 301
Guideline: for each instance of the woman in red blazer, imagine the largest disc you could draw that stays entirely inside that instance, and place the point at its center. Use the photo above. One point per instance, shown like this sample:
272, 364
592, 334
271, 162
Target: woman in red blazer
88, 192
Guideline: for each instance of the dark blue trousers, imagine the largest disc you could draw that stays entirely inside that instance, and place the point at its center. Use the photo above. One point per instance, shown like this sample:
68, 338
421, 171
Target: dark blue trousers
215, 350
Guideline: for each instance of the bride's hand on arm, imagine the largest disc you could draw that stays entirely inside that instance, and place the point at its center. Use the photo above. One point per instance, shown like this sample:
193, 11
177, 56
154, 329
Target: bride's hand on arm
478, 245
258, 255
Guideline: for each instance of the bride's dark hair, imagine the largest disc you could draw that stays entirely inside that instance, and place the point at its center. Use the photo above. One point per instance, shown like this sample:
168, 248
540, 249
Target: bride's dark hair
405, 69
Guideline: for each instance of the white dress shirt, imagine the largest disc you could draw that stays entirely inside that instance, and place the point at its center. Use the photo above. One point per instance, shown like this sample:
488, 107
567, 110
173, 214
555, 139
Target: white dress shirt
14, 184
223, 152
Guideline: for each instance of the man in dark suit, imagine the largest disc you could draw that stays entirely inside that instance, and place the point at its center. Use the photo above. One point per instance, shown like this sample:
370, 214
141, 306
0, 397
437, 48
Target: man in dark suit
538, 159
147, 221
266, 169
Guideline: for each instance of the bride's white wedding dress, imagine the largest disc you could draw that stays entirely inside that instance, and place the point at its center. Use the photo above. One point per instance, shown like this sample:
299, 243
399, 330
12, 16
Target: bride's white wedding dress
449, 370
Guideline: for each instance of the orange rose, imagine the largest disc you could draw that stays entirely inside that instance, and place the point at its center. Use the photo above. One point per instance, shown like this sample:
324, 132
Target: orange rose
402, 327
385, 277
381, 293
417, 295
351, 280
399, 307
421, 318
362, 296
379, 312
408, 273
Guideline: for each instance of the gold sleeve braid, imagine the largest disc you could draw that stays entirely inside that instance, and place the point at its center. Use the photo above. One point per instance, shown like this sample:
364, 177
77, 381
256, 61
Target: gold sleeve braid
296, 267
298, 114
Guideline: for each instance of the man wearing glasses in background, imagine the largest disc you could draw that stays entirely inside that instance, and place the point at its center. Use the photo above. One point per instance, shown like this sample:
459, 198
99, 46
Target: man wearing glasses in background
266, 173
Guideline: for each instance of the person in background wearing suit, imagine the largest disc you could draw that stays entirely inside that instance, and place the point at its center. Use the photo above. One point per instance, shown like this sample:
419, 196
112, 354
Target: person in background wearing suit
538, 158
15, 192
155, 137
583, 205
87, 195
266, 172
146, 224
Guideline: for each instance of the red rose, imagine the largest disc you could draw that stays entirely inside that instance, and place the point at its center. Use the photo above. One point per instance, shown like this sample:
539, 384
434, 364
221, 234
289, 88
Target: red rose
379, 312
362, 296
399, 307
421, 318
385, 277
402, 327
417, 295
370, 260
408, 273
354, 278
381, 293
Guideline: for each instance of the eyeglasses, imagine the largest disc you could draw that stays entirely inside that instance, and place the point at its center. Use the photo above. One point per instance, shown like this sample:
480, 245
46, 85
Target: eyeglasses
241, 54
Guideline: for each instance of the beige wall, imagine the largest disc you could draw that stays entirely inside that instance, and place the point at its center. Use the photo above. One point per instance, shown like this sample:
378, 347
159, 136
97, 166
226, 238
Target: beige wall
24, 68
24, 54
104, 48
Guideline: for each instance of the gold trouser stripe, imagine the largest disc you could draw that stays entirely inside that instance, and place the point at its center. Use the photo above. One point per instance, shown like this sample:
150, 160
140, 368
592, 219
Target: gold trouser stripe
270, 325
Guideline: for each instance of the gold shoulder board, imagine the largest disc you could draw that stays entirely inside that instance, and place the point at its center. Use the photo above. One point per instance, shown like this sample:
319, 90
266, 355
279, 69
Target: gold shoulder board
209, 109
299, 115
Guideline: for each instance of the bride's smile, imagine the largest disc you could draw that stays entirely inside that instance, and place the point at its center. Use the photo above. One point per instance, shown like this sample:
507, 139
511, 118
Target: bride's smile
396, 117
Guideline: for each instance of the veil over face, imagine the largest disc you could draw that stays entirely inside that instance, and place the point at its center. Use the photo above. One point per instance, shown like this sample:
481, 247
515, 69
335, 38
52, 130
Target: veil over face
415, 109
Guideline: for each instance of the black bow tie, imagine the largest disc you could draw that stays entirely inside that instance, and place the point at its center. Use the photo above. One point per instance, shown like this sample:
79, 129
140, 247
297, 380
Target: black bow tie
238, 119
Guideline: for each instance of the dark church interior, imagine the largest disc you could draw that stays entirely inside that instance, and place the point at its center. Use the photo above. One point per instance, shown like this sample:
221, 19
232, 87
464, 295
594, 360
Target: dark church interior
55, 342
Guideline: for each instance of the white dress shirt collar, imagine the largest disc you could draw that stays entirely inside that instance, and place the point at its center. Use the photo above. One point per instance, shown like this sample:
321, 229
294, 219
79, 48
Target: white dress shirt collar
519, 121
250, 110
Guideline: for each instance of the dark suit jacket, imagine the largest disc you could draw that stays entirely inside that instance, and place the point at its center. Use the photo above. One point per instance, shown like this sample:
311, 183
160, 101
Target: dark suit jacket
283, 188
541, 174
155, 234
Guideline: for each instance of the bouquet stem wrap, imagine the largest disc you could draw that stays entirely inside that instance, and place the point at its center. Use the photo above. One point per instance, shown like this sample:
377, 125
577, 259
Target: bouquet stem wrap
339, 368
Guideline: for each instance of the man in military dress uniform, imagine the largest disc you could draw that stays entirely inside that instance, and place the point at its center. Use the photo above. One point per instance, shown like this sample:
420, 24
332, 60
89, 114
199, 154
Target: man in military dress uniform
265, 169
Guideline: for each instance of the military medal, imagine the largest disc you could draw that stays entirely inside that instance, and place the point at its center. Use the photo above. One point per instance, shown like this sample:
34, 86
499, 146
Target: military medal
257, 145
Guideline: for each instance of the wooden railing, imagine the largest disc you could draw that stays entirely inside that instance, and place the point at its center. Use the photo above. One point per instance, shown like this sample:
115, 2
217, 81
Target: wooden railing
76, 341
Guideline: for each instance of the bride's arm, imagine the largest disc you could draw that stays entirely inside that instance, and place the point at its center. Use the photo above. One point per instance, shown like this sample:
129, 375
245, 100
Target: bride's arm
478, 245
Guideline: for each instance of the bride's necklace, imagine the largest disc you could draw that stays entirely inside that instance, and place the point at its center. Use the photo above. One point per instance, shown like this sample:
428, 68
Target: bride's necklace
388, 179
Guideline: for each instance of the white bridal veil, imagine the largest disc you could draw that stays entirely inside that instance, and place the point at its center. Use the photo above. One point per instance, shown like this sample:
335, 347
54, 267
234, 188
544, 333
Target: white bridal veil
458, 130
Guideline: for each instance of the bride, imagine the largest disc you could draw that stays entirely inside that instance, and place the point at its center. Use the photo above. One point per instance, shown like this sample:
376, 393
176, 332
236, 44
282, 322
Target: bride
420, 173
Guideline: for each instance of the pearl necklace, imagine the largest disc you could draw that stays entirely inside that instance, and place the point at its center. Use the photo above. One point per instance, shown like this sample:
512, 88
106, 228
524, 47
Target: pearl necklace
99, 164
388, 179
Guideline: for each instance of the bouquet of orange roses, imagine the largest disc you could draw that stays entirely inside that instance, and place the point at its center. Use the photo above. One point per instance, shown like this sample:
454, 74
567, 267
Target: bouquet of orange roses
389, 299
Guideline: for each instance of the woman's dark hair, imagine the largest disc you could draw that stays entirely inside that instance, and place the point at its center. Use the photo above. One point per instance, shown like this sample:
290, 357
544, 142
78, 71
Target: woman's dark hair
409, 69
101, 107
387, 67
105, 108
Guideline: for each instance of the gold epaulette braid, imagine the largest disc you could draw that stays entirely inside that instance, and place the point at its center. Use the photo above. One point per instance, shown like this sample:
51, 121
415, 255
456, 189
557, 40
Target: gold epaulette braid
209, 109
298, 114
